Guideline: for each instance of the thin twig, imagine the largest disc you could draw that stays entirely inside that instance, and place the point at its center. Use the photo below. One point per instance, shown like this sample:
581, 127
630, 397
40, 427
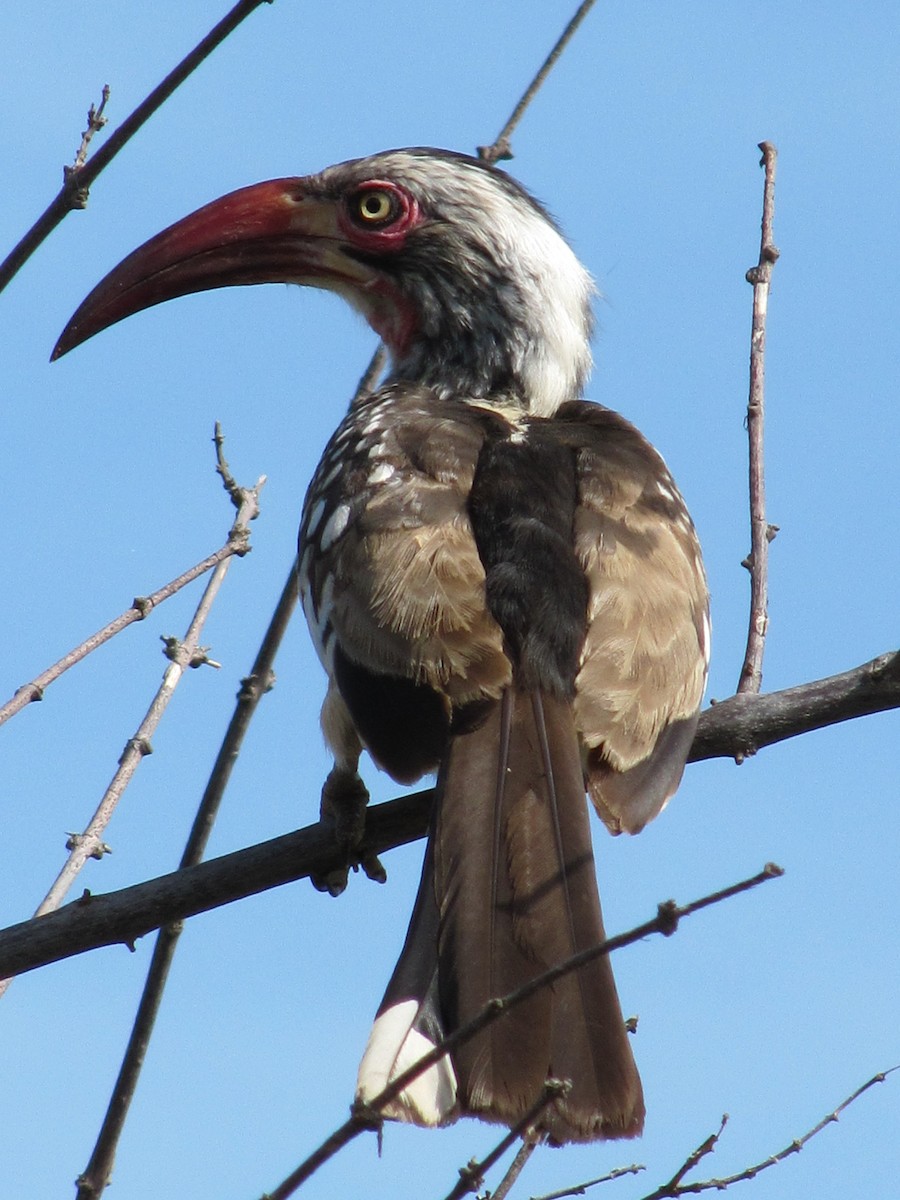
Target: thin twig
761, 532
95, 1176
471, 1176
366, 1117
372, 372
95, 122
500, 148
141, 607
579, 1189
78, 180
183, 654
529, 1144
676, 1188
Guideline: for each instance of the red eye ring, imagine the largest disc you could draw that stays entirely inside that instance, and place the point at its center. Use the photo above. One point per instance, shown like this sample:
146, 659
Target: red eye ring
374, 207
377, 215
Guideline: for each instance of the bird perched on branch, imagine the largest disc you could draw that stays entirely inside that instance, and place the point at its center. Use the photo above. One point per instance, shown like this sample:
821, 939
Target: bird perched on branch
504, 586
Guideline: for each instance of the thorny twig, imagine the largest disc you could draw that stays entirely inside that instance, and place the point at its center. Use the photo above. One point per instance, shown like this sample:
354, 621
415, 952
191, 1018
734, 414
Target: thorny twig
761, 532
182, 655
366, 1117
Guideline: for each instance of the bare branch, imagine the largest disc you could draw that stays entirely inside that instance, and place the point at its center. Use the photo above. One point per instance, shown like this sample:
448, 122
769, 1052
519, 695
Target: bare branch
95, 1177
515, 1168
676, 1188
501, 148
741, 725
761, 532
183, 654
579, 1189
471, 1176
370, 376
78, 179
732, 729
141, 607
366, 1117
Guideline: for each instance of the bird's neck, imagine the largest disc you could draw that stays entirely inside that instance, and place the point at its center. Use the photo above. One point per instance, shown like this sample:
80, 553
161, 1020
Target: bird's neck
537, 367
515, 325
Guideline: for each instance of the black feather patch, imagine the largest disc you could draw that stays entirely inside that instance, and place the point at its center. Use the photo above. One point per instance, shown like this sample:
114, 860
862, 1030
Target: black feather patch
522, 507
404, 725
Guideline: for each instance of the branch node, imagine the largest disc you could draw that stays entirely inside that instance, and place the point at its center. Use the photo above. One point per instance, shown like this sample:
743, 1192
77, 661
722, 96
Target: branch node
75, 841
85, 898
140, 744
367, 1117
500, 151
667, 915
143, 605
253, 687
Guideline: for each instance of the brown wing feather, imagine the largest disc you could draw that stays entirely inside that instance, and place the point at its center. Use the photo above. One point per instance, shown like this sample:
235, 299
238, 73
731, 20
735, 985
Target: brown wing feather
643, 667
407, 584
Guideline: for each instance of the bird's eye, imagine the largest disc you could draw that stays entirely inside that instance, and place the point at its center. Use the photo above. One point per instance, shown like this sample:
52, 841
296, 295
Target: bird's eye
375, 206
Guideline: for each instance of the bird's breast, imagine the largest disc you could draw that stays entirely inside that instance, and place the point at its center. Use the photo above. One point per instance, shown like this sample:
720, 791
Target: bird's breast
389, 569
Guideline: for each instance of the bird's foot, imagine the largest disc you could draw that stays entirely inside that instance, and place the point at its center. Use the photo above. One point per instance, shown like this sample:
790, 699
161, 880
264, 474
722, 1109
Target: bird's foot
343, 808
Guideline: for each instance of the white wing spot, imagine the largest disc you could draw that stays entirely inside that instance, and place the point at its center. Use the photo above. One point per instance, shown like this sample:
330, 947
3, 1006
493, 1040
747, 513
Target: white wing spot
334, 527
381, 474
315, 516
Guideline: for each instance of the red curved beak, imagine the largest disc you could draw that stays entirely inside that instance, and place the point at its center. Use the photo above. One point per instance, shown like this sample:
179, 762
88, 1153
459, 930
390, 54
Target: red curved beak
273, 232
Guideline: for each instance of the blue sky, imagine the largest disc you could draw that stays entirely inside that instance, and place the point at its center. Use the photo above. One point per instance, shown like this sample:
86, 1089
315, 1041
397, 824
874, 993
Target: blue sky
643, 143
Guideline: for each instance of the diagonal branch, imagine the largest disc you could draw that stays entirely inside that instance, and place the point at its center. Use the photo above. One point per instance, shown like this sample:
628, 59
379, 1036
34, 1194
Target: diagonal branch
732, 729
367, 1117
141, 607
471, 1176
78, 179
500, 148
182, 655
676, 1188
742, 724
95, 1177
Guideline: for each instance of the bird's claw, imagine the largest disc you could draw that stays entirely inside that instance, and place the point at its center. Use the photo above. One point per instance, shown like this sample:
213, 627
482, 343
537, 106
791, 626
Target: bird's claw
343, 808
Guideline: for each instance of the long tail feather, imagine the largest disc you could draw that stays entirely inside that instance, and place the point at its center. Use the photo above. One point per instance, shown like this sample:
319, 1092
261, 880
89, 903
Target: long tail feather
509, 890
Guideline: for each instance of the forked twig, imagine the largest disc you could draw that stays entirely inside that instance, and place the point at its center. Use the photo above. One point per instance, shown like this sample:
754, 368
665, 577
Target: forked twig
676, 1188
95, 1176
761, 532
471, 1176
183, 654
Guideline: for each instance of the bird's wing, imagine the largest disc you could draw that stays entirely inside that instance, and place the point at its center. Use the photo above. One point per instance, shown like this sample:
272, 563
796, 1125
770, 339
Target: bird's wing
390, 575
646, 650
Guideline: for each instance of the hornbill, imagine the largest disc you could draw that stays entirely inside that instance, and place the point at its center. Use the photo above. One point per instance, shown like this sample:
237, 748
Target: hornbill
504, 586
